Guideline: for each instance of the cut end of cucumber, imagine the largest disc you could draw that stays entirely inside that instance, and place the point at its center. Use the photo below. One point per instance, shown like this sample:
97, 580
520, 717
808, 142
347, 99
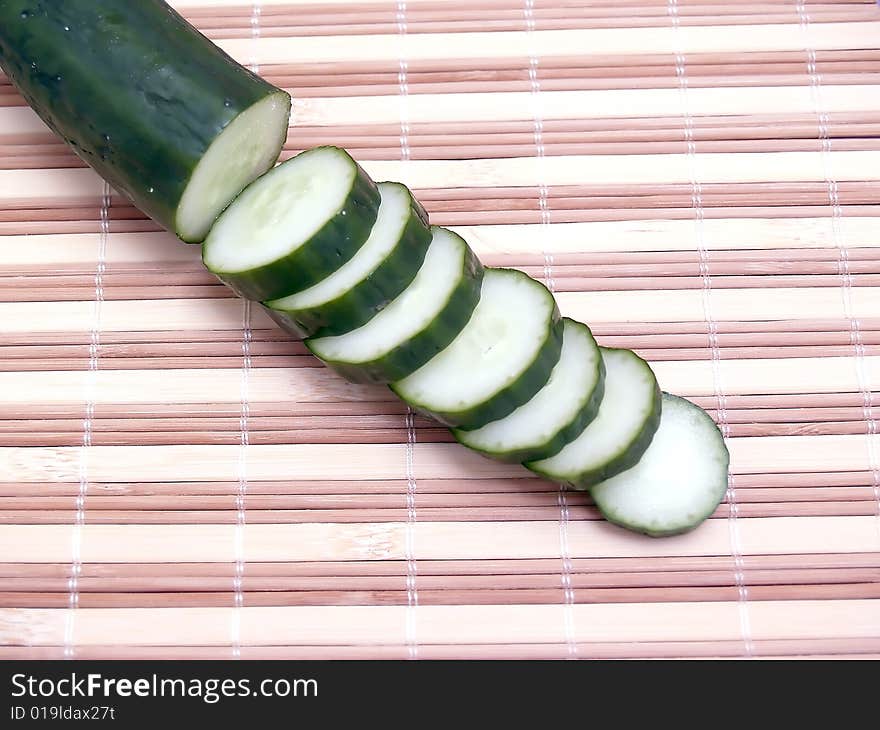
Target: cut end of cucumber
244, 150
281, 211
678, 482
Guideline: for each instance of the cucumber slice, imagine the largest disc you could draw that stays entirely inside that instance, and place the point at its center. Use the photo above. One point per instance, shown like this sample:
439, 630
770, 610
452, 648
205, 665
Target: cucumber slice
556, 414
383, 267
678, 482
160, 112
618, 436
500, 360
294, 226
417, 324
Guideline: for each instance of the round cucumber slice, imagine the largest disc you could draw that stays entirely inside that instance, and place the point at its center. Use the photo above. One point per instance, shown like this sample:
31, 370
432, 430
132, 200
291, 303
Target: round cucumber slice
294, 226
381, 269
499, 360
678, 482
556, 414
620, 433
417, 324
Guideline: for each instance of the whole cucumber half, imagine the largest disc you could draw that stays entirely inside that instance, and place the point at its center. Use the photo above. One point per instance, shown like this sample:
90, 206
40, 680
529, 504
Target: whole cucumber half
160, 112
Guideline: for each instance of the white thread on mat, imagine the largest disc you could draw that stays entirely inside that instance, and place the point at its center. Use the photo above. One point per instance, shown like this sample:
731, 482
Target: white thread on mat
256, 15
544, 209
714, 346
88, 422
403, 81
412, 592
241, 494
243, 422
843, 267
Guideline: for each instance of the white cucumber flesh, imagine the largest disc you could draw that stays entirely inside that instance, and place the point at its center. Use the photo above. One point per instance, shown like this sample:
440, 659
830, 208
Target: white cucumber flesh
557, 413
414, 326
502, 357
620, 433
381, 269
294, 226
679, 480
240, 154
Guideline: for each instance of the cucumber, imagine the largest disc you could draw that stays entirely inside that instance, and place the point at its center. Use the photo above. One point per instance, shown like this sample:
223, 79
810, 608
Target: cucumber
294, 226
621, 432
383, 267
417, 324
500, 360
556, 414
161, 113
678, 482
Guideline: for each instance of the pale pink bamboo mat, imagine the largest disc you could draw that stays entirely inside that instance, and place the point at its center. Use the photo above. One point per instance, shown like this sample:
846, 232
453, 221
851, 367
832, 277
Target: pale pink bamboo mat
698, 180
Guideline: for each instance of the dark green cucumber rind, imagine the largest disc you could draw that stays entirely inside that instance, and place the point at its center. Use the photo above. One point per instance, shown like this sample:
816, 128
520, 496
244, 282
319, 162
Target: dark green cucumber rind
288, 324
359, 304
505, 401
568, 434
418, 208
618, 520
136, 91
558, 441
627, 457
329, 248
415, 352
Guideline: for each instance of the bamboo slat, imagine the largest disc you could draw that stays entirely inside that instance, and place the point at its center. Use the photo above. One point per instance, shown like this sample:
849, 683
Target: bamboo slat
501, 624
158, 251
434, 541
315, 385
654, 305
36, 188
696, 179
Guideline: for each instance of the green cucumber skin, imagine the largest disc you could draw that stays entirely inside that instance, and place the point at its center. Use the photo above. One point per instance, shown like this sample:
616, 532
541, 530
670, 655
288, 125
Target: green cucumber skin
507, 400
358, 305
136, 91
617, 520
285, 322
414, 353
328, 249
627, 458
565, 435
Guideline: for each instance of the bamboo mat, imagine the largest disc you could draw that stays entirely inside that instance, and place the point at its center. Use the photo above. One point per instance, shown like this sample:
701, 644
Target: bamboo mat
699, 180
